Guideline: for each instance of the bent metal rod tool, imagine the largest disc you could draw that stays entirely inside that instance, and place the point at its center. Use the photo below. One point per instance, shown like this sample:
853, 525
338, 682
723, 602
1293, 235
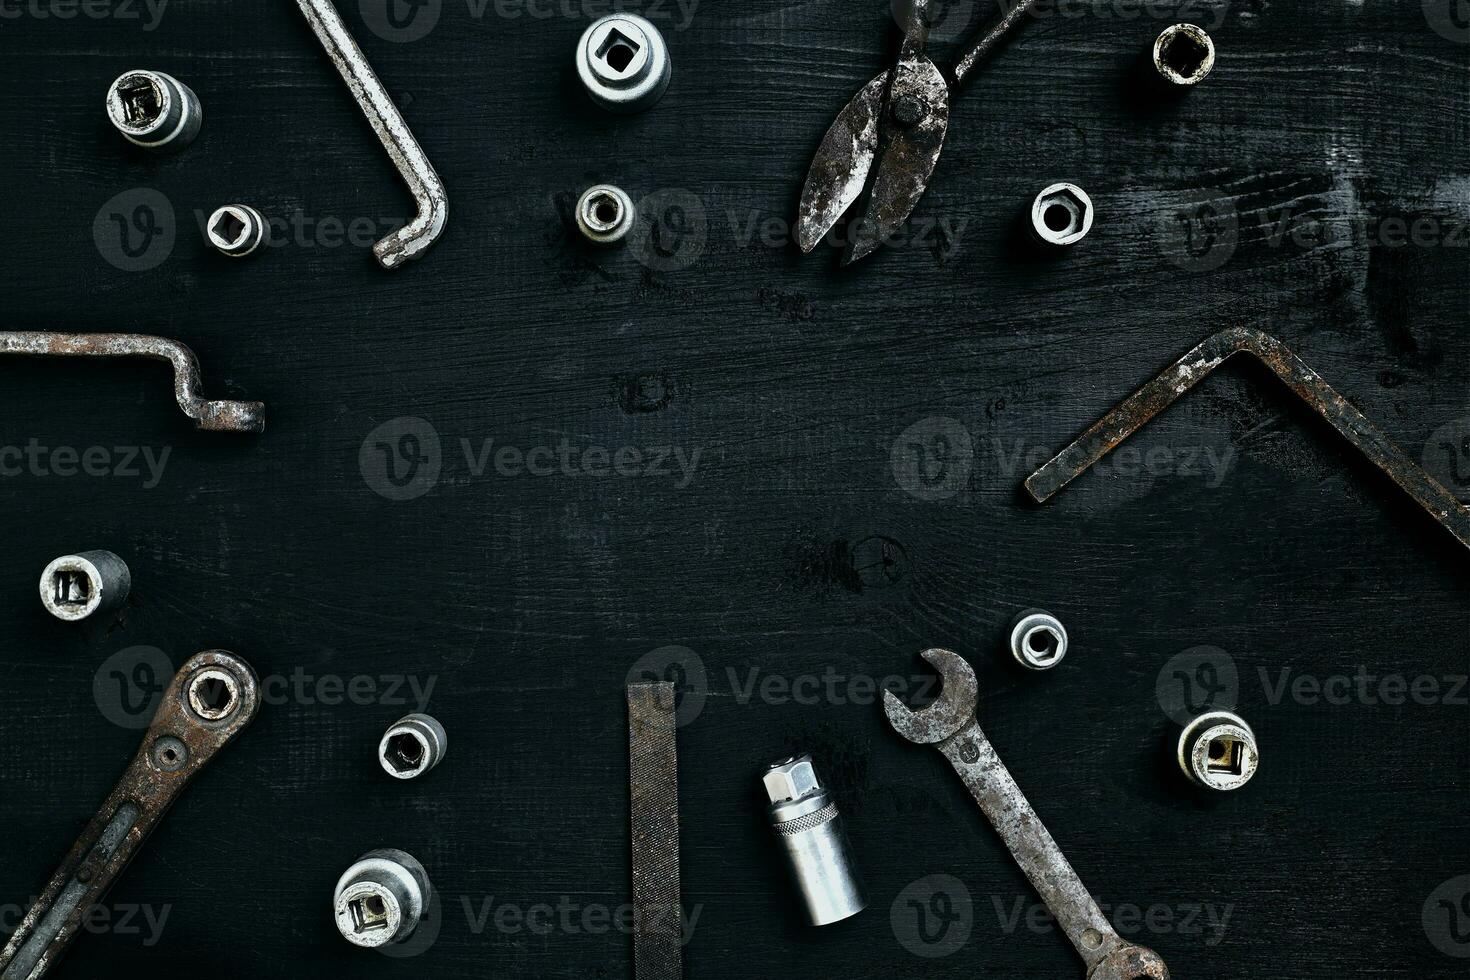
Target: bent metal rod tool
1306, 384
653, 782
410, 241
898, 119
212, 416
950, 725
210, 700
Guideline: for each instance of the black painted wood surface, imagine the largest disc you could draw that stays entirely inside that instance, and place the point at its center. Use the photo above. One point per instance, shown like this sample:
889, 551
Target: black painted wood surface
860, 436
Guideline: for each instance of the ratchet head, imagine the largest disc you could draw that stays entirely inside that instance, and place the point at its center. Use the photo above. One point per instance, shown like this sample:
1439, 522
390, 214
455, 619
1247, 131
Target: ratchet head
951, 711
1129, 962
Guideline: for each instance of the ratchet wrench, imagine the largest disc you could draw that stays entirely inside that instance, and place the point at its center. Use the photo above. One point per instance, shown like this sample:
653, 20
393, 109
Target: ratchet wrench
210, 700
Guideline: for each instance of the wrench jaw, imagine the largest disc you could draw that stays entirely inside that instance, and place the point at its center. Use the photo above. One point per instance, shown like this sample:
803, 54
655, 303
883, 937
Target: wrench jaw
951, 712
1129, 962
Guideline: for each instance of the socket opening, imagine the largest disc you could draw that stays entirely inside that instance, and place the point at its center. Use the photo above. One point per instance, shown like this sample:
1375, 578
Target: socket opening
406, 752
1043, 644
141, 99
602, 211
369, 913
229, 228
1226, 757
1057, 217
618, 50
72, 587
214, 694
1183, 54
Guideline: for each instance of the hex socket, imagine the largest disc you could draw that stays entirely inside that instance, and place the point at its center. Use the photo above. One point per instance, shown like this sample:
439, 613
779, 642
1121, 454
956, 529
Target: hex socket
811, 832
412, 746
154, 110
381, 898
74, 587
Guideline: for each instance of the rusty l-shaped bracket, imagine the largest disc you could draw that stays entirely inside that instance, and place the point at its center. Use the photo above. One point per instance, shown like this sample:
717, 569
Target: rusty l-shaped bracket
1189, 370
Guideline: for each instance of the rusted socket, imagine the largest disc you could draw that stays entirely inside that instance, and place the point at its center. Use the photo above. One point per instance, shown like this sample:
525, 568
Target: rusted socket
1183, 55
74, 587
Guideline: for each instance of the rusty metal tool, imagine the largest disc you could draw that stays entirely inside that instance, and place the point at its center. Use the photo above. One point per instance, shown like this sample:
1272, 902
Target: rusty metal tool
410, 241
899, 119
213, 416
950, 725
1305, 383
210, 700
653, 782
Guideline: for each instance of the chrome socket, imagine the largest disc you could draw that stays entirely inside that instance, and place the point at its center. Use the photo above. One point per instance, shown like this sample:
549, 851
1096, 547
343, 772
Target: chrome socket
1061, 215
412, 746
623, 63
74, 587
1183, 55
1038, 640
236, 230
1218, 751
381, 898
605, 214
154, 110
810, 829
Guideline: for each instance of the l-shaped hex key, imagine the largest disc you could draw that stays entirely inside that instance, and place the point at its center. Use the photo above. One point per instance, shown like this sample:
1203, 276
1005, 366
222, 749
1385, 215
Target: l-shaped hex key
213, 416
410, 241
1308, 385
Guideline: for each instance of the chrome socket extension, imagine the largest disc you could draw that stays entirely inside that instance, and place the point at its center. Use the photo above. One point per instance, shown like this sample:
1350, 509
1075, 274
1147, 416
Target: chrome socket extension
810, 829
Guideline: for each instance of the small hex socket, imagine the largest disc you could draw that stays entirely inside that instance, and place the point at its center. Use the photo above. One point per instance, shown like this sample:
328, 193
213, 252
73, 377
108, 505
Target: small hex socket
1218, 751
817, 850
412, 746
74, 587
381, 898
154, 110
605, 214
1061, 215
236, 230
1038, 640
623, 63
1183, 55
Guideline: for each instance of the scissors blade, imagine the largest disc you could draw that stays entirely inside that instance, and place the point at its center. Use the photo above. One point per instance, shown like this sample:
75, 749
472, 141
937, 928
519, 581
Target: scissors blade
912, 138
840, 169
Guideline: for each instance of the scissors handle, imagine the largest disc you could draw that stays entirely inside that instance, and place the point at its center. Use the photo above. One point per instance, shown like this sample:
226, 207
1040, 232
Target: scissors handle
914, 19
987, 40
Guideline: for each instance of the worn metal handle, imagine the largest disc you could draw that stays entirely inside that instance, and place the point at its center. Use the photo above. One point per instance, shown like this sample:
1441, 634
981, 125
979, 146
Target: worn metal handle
985, 42
210, 700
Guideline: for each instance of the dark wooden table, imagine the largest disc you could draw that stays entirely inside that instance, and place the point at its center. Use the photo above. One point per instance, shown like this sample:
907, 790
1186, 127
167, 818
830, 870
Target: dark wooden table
801, 475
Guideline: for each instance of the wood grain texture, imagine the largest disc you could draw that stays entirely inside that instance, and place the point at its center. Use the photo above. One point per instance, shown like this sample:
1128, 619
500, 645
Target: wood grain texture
800, 546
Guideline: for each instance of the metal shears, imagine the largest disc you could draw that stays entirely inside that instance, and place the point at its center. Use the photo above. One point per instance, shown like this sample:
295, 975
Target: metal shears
898, 119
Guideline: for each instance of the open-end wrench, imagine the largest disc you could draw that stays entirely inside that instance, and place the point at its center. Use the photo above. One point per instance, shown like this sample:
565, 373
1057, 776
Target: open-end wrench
410, 241
950, 725
212, 697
